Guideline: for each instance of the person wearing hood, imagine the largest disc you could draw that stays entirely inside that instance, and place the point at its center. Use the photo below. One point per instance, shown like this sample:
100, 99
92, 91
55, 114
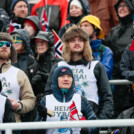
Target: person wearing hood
63, 97
32, 25
15, 83
90, 76
91, 25
76, 10
42, 46
118, 39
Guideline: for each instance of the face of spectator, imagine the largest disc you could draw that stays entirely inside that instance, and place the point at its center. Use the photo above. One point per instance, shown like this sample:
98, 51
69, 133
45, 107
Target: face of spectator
75, 11
76, 45
20, 9
5, 50
123, 9
18, 44
29, 29
65, 81
42, 46
87, 27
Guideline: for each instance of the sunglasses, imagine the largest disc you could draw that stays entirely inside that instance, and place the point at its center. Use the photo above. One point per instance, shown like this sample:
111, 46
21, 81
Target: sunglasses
7, 44
17, 39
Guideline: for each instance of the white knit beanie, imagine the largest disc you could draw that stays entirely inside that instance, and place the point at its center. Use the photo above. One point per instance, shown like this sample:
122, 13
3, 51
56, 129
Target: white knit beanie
76, 3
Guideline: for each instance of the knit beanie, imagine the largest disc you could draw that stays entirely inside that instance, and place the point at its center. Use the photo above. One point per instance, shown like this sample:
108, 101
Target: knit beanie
31, 24
76, 3
14, 2
64, 71
8, 37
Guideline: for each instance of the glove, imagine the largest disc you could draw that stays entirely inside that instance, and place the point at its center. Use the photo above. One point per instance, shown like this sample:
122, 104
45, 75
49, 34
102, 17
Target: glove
37, 78
42, 111
84, 131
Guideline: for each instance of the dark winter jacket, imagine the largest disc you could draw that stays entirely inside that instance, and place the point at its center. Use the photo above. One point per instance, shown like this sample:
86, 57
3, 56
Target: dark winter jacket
85, 106
118, 39
45, 62
4, 18
105, 108
75, 20
6, 5
104, 55
9, 114
25, 61
127, 72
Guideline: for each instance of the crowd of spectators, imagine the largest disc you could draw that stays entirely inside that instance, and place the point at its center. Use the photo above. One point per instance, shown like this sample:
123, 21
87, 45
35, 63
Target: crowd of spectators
96, 39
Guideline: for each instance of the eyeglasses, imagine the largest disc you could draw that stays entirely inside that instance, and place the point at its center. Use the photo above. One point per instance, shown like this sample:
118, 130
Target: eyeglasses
17, 39
7, 44
123, 6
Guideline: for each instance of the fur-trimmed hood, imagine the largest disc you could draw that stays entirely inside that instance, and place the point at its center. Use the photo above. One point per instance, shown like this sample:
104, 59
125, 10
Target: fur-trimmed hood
8, 37
75, 31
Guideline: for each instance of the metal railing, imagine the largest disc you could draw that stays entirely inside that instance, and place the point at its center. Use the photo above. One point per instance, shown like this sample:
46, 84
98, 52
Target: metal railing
120, 82
8, 127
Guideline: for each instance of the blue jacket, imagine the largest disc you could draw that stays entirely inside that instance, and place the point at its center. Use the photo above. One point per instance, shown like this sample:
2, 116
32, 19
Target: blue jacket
85, 106
104, 55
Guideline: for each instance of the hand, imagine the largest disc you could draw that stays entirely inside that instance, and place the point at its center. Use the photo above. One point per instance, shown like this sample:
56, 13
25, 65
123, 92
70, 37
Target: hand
42, 111
15, 104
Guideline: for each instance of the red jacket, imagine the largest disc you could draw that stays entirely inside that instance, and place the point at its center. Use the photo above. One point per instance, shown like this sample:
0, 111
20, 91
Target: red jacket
56, 11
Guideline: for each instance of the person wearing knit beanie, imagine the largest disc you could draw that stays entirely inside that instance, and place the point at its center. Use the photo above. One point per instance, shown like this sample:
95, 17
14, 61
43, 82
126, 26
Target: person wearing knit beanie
32, 25
20, 8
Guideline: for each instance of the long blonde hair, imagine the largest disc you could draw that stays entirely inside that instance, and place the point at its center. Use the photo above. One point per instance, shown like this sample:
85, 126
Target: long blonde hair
87, 52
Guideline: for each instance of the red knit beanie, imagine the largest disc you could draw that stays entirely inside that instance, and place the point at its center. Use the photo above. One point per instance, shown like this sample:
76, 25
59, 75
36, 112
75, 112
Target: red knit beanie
31, 23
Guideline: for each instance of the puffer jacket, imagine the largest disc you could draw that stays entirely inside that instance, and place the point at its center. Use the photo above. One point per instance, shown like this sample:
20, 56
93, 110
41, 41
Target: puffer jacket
85, 106
106, 106
74, 20
118, 39
104, 55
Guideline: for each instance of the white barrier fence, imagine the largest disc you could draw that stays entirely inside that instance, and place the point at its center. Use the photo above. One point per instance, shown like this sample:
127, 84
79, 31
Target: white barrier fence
8, 127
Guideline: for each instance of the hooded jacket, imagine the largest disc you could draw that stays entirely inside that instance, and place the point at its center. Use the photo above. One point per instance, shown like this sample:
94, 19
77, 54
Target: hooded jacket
74, 20
36, 21
26, 96
25, 61
119, 37
45, 61
85, 106
104, 55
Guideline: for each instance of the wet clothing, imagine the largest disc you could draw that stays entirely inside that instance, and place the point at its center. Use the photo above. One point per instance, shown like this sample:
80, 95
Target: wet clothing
66, 100
105, 11
74, 20
104, 55
56, 11
104, 106
126, 68
5, 4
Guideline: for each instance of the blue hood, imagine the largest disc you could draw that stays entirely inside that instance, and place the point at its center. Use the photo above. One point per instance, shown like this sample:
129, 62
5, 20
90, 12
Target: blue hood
55, 88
